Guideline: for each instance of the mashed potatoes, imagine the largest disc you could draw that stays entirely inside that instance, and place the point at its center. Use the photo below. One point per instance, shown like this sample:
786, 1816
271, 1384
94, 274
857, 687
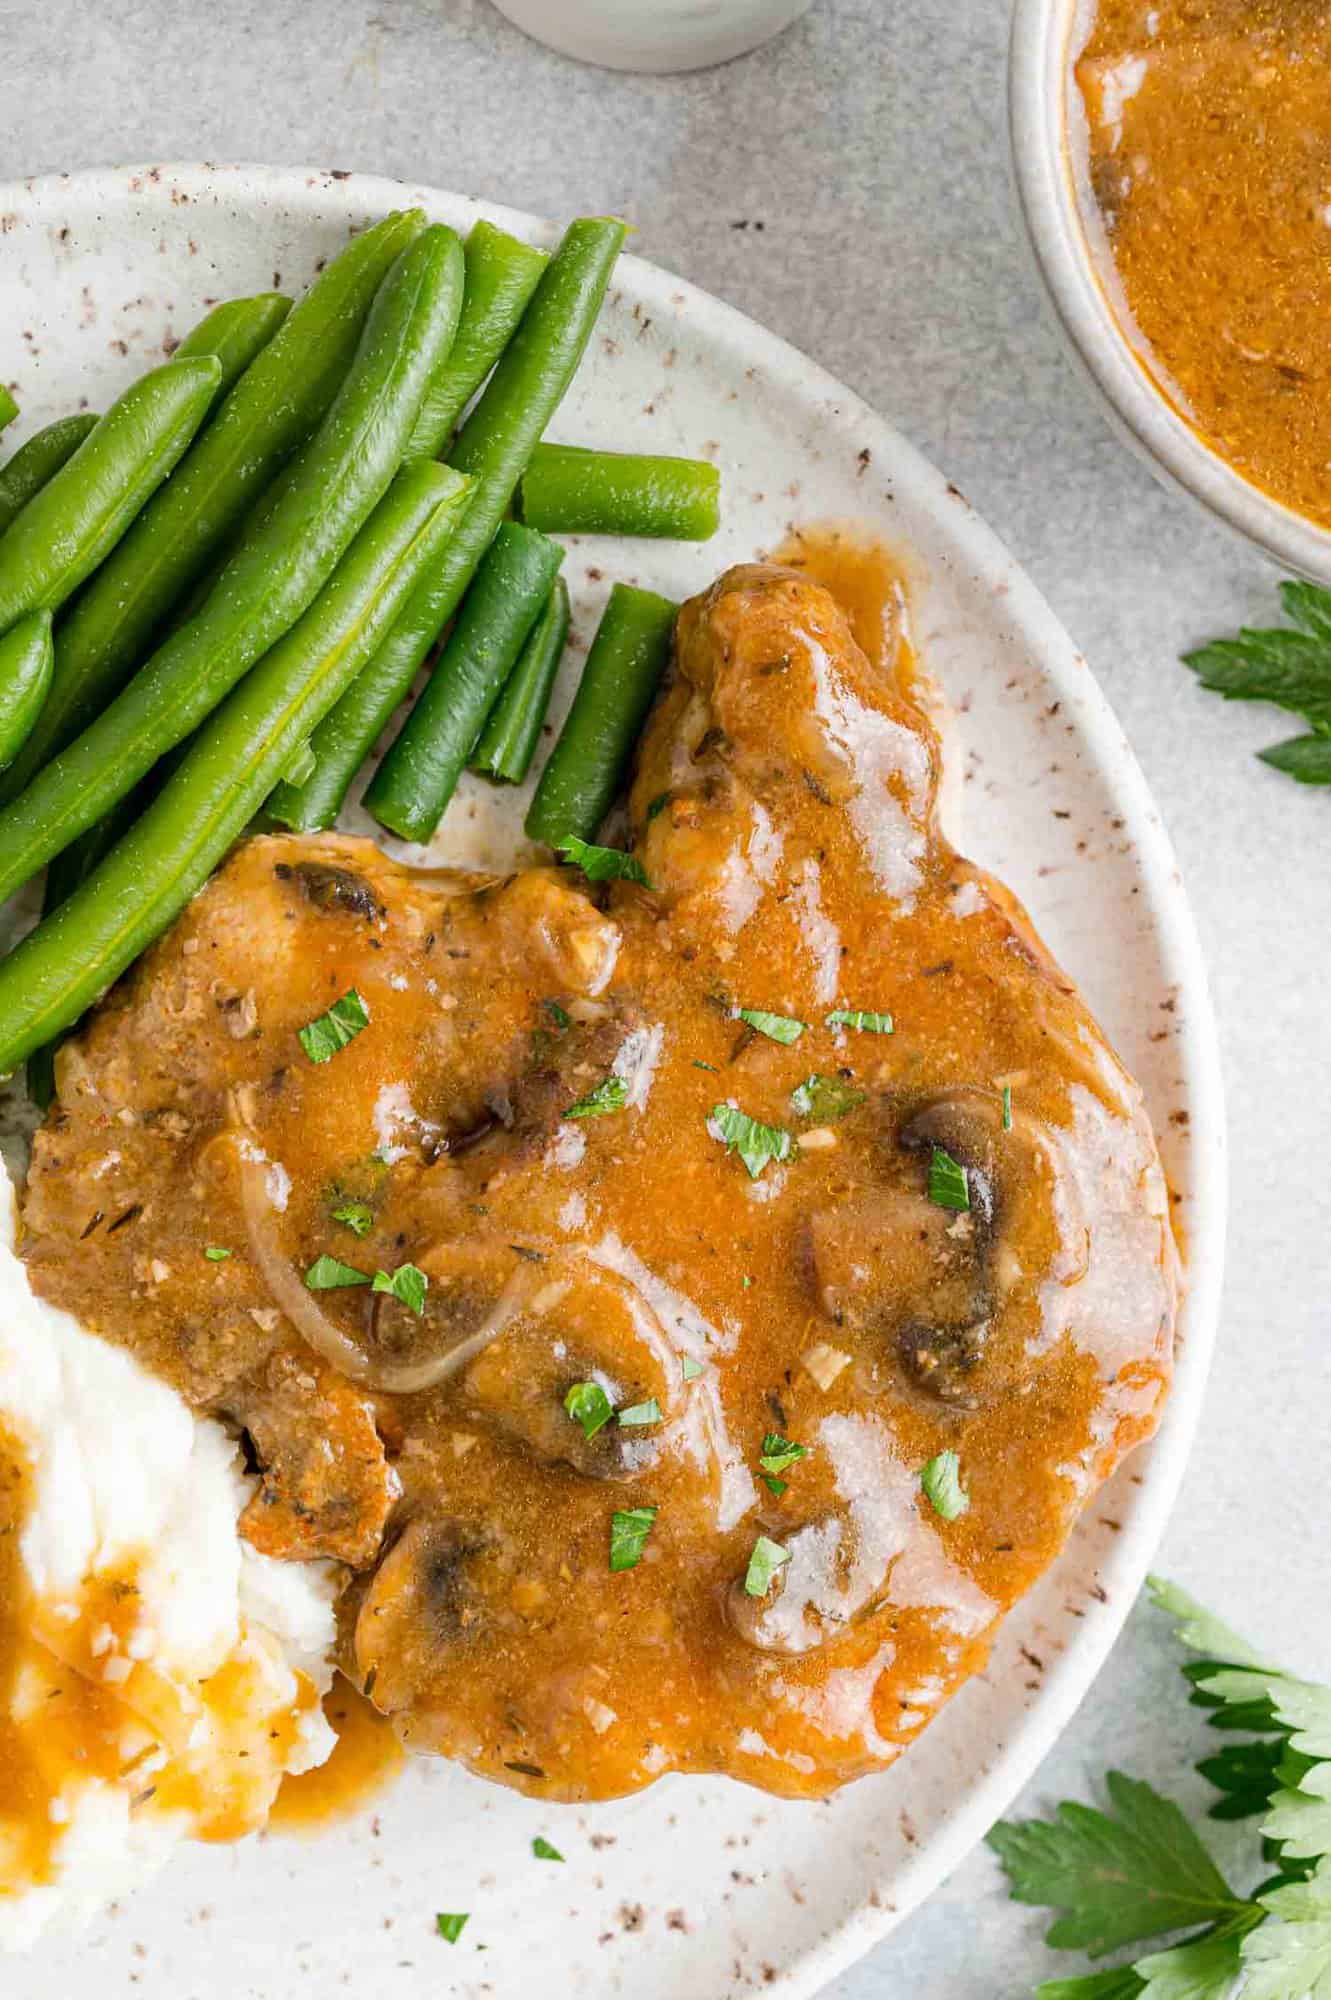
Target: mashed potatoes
157, 1676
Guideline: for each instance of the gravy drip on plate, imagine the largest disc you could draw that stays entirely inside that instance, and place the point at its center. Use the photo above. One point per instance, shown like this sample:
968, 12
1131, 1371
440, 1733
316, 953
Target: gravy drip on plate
1210, 170
530, 1118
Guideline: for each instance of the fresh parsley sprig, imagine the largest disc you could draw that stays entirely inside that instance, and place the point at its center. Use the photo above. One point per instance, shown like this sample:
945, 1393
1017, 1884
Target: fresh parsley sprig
1287, 665
1139, 1870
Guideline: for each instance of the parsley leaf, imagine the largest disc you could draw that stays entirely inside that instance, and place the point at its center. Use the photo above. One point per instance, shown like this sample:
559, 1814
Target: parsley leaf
1291, 1959
767, 1558
1122, 1983
1245, 1776
858, 1018
947, 1182
756, 1144
329, 1274
773, 1484
449, 1924
941, 1480
690, 1368
603, 864
1119, 1876
1007, 1107
1202, 1968
357, 1215
344, 1020
1287, 665
1307, 758
588, 1405
216, 1254
543, 1851
561, 1017
777, 1027
641, 1413
823, 1097
629, 1529
609, 1095
779, 1454
407, 1284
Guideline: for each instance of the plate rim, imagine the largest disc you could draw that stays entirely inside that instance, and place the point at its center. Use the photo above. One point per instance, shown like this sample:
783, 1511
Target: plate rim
1034, 623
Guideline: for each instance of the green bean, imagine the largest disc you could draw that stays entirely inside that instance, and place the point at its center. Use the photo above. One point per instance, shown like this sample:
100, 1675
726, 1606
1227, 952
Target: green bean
493, 446
26, 661
237, 332
80, 514
567, 490
501, 277
274, 408
508, 741
626, 661
63, 877
8, 408
39, 460
60, 968
418, 777
274, 574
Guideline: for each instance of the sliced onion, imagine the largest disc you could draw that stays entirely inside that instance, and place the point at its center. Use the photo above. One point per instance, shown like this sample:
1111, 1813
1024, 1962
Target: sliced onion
302, 1308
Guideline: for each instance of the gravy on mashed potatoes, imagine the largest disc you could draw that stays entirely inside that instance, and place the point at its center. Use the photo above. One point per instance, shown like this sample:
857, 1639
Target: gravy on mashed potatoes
158, 1676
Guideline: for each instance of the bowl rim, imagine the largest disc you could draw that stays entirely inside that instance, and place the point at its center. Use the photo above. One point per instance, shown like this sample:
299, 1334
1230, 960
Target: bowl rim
1038, 71
314, 191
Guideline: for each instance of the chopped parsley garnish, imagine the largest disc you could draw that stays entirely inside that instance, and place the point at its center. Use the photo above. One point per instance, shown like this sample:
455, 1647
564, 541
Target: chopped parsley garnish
711, 1068
947, 1182
691, 1369
344, 1020
610, 1095
357, 1215
1287, 665
777, 1027
543, 1851
588, 1405
773, 1484
779, 1454
1138, 1870
561, 1017
408, 1284
603, 864
767, 1558
858, 1018
755, 1143
941, 1480
449, 1924
629, 1529
216, 1254
328, 1274
658, 805
641, 1413
1007, 1107
823, 1097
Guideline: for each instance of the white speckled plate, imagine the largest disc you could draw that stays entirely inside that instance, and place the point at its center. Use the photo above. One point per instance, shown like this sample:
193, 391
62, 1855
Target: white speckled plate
697, 1888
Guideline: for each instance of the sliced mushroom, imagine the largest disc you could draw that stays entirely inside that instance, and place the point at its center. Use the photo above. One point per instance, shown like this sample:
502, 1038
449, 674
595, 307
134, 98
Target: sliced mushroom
581, 1324
334, 889
431, 1599
835, 1574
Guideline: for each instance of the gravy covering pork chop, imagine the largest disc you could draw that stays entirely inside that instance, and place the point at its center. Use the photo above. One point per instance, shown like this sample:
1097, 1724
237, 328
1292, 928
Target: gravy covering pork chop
953, 1238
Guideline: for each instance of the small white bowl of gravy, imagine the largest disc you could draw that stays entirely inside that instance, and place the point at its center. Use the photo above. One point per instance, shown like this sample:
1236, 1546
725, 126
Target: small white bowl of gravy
1174, 163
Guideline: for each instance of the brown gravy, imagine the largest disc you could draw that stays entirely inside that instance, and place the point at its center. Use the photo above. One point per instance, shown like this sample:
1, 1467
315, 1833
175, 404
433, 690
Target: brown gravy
1209, 169
784, 812
366, 1759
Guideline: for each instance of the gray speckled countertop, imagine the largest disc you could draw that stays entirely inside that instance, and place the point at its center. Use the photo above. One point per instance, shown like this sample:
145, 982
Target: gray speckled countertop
849, 186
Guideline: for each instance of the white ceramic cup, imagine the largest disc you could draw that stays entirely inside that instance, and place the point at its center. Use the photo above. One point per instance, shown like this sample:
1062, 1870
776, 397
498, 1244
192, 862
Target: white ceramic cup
656, 36
1041, 106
